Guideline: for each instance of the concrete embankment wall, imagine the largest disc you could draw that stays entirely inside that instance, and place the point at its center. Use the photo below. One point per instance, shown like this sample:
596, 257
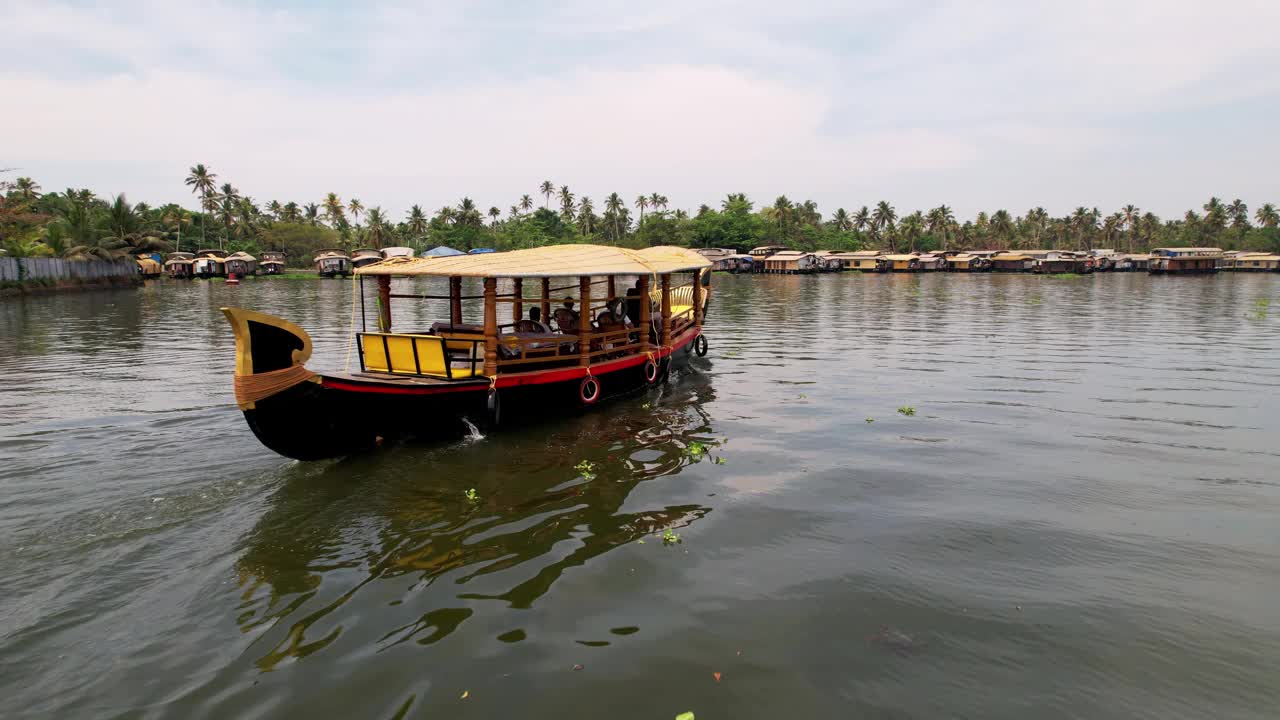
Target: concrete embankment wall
15, 269
28, 275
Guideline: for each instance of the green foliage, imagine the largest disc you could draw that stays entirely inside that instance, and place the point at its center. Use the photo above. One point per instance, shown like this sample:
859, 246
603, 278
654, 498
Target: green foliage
906, 410
298, 241
870, 420
695, 450
586, 469
670, 538
471, 495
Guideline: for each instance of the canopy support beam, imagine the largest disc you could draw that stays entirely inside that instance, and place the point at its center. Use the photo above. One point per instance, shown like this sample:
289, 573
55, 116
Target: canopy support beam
666, 310
384, 303
584, 321
490, 326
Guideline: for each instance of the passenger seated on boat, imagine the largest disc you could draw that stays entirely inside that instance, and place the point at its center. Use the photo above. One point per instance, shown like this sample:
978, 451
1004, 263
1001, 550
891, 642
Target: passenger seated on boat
566, 319
535, 314
608, 321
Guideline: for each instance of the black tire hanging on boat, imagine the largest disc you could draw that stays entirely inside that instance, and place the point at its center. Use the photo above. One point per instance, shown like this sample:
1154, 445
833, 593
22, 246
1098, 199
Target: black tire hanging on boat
700, 345
493, 408
588, 390
652, 373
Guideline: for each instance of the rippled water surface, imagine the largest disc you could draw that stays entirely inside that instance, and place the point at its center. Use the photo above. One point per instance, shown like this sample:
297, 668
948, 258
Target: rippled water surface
1081, 518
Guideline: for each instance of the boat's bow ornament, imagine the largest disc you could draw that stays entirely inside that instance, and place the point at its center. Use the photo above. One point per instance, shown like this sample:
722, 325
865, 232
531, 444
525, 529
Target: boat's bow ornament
270, 355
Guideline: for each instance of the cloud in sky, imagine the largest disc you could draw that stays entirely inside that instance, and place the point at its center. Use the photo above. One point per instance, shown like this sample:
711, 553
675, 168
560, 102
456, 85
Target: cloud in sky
980, 105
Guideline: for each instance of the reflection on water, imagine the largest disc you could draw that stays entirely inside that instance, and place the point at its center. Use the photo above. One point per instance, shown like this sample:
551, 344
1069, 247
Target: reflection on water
1078, 520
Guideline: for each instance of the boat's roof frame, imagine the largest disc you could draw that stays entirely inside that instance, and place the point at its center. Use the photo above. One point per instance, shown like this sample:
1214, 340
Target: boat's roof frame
548, 261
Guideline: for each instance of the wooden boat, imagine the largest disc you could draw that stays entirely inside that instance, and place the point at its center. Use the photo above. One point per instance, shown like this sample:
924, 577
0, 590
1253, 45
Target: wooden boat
209, 263
272, 263
759, 254
967, 262
178, 265
365, 256
741, 264
1184, 261
333, 263
932, 262
241, 264
792, 262
424, 382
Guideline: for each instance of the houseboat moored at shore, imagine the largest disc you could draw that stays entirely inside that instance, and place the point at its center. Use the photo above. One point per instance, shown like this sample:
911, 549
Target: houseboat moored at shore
1058, 262
272, 263
240, 264
860, 260
1184, 261
365, 256
397, 252
903, 263
933, 262
1253, 262
178, 265
209, 263
967, 263
333, 263
1011, 262
792, 262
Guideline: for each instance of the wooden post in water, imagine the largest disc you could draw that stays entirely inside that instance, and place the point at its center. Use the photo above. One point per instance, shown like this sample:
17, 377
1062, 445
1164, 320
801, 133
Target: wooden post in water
666, 310
384, 303
546, 301
455, 300
697, 298
644, 314
584, 320
490, 326
517, 300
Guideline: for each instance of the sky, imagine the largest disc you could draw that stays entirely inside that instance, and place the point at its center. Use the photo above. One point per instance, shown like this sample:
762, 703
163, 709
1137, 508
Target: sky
979, 105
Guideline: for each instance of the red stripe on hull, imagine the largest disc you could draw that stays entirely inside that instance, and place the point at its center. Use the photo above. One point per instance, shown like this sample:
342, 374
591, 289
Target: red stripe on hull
538, 378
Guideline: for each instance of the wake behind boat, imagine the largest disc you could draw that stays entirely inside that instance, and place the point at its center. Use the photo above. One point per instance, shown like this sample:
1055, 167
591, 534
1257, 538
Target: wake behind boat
601, 322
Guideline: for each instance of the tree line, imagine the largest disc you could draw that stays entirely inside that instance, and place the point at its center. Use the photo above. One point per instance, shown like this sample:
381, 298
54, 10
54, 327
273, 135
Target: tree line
76, 223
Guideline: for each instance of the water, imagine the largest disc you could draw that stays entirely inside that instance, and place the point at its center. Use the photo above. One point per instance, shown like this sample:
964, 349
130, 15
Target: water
1078, 521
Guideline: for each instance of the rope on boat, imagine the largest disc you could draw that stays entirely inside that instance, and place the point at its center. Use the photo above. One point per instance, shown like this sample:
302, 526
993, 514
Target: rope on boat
260, 386
351, 330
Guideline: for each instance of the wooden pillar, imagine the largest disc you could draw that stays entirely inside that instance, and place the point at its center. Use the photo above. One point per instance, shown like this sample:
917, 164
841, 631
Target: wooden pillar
666, 310
517, 300
384, 303
455, 300
584, 320
697, 297
644, 314
490, 327
613, 290
546, 300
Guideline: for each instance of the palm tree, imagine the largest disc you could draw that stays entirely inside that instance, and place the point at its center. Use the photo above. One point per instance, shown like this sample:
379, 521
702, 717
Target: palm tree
1150, 223
311, 212
275, 208
1082, 222
912, 225
126, 238
467, 214
228, 203
613, 207
356, 207
27, 188
290, 212
1001, 226
376, 224
201, 180
417, 221
1267, 216
882, 220
841, 221
781, 210
1132, 216
494, 214
547, 190
862, 219
334, 209
1239, 213
566, 203
175, 216
642, 202
526, 203
586, 216
940, 219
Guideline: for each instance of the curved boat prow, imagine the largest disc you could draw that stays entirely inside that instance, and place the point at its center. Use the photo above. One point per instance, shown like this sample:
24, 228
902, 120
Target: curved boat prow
284, 402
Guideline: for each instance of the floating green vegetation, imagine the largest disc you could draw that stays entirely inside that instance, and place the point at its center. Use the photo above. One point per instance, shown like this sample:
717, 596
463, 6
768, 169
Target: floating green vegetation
803, 396
471, 495
719, 460
870, 420
586, 469
906, 410
670, 538
685, 716
646, 406
1262, 303
732, 354
1033, 300
695, 449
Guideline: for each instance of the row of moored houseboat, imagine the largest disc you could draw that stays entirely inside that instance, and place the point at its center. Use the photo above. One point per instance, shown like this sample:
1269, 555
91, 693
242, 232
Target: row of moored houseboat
212, 263
1174, 261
